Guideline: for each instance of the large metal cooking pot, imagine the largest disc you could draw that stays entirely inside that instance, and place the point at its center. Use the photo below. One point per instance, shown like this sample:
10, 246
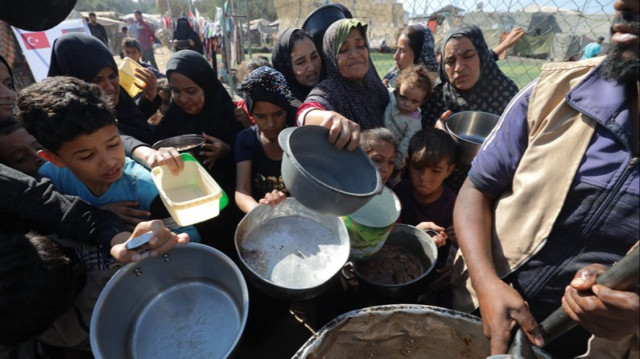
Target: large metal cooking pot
324, 178
290, 252
35, 15
190, 303
398, 331
469, 129
412, 240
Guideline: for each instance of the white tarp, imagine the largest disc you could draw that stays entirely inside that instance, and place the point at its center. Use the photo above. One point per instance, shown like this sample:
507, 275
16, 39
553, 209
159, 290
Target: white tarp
36, 45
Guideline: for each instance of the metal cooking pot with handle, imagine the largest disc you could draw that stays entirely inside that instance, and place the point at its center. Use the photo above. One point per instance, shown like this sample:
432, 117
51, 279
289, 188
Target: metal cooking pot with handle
323, 178
190, 303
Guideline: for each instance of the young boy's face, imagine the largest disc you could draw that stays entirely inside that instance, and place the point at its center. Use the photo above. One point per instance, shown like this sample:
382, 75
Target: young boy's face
383, 155
18, 150
97, 159
427, 181
133, 53
409, 98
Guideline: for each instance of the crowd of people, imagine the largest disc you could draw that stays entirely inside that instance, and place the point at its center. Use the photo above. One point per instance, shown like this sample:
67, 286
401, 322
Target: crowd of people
551, 198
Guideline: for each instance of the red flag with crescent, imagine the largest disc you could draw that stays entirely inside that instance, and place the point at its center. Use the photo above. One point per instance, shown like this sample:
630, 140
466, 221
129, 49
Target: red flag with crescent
35, 40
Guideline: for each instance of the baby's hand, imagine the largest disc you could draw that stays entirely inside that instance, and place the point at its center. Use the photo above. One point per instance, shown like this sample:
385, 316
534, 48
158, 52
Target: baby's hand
274, 198
441, 239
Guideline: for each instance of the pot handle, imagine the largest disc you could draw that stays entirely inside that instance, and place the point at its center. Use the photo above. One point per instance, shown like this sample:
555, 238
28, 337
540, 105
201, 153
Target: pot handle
283, 138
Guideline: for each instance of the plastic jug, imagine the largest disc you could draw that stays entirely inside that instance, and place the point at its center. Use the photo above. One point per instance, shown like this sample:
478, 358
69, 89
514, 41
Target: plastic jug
128, 80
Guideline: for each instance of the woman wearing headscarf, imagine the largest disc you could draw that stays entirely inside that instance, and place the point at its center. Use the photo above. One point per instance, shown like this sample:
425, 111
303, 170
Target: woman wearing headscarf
352, 96
85, 57
185, 38
296, 57
469, 78
415, 46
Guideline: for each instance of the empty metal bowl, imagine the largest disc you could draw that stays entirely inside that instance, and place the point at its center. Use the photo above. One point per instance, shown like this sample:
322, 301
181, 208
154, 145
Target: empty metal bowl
469, 129
323, 178
190, 303
181, 143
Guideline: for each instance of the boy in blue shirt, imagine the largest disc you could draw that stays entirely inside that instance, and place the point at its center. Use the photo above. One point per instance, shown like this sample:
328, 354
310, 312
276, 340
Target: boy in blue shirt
77, 128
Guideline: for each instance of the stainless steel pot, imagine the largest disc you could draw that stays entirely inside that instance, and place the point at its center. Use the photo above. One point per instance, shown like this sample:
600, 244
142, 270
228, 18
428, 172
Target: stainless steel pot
469, 129
323, 178
399, 331
411, 240
190, 303
290, 252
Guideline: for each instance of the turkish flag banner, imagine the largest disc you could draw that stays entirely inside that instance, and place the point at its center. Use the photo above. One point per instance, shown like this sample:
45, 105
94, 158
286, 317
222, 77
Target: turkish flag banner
35, 40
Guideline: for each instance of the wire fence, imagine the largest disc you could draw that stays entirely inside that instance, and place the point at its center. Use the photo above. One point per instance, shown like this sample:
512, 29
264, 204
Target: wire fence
555, 30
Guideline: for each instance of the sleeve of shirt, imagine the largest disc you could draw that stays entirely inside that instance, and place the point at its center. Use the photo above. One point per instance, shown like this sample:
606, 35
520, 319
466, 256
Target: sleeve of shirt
244, 145
49, 211
494, 166
305, 108
130, 144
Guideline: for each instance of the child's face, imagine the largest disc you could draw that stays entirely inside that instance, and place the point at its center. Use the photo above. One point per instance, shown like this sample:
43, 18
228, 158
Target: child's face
409, 98
270, 119
19, 150
404, 53
383, 155
427, 181
133, 53
97, 159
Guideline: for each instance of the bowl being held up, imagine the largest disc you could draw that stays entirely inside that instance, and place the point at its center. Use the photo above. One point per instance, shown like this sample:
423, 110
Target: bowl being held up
469, 129
182, 143
323, 178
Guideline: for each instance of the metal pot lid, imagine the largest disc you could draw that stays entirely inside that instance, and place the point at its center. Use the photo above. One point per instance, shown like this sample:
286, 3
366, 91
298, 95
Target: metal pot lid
181, 143
35, 15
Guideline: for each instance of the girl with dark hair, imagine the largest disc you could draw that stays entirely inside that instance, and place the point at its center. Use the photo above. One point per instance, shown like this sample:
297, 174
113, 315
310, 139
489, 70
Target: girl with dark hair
296, 57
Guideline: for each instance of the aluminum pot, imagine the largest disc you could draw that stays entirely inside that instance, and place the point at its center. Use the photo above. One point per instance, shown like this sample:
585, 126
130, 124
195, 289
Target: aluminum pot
190, 303
290, 252
399, 331
469, 129
182, 143
411, 240
324, 178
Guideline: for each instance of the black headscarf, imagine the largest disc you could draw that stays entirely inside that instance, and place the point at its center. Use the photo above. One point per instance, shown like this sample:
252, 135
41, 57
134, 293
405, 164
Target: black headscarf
269, 85
491, 93
363, 102
184, 31
83, 56
10, 71
281, 59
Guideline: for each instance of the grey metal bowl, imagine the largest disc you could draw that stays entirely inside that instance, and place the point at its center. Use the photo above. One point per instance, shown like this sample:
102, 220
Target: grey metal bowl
181, 143
289, 251
469, 129
323, 178
190, 303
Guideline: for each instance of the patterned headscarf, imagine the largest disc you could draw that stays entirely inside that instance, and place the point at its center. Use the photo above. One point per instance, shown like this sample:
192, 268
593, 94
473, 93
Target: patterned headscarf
491, 93
363, 101
267, 84
423, 45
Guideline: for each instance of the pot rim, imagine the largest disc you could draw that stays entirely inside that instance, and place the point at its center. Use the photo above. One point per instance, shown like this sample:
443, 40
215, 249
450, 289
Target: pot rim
462, 139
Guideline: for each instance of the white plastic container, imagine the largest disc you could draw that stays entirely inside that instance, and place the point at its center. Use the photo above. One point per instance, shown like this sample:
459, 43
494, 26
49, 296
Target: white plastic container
192, 196
127, 78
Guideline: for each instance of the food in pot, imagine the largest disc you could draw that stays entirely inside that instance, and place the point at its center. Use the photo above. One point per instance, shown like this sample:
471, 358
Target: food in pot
391, 265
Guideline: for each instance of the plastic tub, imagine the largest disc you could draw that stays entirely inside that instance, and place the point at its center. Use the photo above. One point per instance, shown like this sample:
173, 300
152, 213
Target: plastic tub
191, 196
127, 75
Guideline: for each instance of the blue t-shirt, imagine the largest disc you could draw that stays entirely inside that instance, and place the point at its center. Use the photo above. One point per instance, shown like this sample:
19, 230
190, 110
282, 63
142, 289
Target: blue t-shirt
265, 172
591, 50
136, 184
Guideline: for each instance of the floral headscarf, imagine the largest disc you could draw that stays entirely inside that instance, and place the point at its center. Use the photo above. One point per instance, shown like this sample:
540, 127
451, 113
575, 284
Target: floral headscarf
267, 84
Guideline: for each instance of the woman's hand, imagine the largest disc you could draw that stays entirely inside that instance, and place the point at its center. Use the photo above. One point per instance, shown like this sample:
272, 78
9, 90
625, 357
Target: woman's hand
150, 87
212, 150
503, 308
191, 42
127, 211
443, 118
441, 239
162, 240
607, 313
274, 198
343, 133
